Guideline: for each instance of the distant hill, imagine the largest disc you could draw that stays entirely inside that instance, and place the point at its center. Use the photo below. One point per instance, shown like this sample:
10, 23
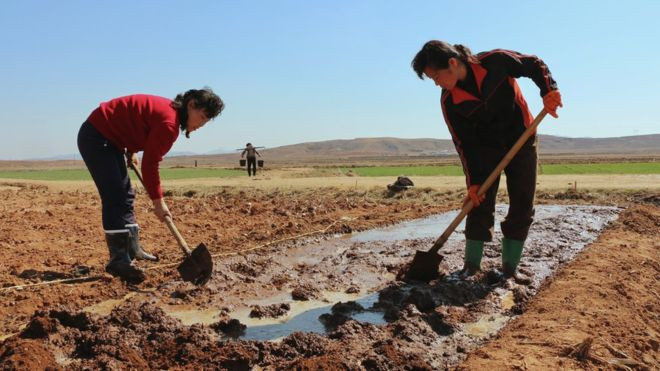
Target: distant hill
365, 147
639, 144
359, 149
397, 147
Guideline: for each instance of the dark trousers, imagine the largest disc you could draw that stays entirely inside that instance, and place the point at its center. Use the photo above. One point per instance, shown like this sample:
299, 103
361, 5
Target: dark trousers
521, 185
107, 166
252, 163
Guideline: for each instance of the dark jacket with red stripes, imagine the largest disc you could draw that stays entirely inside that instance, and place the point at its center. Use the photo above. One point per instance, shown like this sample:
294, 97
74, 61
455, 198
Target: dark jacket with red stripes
487, 109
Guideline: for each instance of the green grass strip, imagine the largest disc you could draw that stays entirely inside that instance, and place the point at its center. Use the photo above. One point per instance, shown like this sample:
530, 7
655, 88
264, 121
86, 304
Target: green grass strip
602, 168
549, 169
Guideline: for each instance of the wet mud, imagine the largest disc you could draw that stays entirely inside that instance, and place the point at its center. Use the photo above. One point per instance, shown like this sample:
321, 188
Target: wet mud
320, 302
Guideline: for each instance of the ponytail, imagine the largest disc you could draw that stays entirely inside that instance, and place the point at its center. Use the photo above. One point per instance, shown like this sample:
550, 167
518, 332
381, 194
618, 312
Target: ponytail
466, 54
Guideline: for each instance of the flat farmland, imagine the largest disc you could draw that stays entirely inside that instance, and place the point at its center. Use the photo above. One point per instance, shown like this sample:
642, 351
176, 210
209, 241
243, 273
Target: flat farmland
59, 309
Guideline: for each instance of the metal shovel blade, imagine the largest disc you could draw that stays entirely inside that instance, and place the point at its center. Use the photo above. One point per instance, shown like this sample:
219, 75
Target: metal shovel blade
424, 266
198, 266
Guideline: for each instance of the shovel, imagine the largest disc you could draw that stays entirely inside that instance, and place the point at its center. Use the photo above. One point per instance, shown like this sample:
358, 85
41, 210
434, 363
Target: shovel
425, 264
197, 265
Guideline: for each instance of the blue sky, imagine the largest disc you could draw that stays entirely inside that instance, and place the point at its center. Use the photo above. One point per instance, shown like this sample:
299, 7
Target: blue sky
292, 71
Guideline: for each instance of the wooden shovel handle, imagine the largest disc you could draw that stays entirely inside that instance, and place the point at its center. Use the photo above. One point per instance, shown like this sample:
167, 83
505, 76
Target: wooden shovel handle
175, 232
531, 129
170, 224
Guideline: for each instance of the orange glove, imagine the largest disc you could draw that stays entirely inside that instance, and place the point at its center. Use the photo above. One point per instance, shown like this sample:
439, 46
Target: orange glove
551, 101
472, 195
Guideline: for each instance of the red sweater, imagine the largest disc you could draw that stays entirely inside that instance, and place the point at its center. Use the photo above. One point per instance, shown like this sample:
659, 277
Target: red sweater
140, 123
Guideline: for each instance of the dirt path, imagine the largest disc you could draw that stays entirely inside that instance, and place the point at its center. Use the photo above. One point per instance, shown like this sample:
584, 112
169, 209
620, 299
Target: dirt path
296, 179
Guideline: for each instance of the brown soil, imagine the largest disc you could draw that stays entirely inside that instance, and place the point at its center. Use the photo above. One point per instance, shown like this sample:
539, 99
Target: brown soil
46, 235
608, 294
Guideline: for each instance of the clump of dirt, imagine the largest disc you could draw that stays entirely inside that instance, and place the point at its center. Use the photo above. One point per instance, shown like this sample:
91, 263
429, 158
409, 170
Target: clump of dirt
307, 344
272, 311
26, 354
521, 298
348, 307
387, 354
340, 313
422, 300
317, 363
353, 289
305, 292
230, 327
40, 326
44, 323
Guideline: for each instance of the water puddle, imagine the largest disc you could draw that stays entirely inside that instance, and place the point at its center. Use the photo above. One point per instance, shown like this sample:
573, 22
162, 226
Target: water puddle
507, 300
487, 326
105, 307
302, 316
61, 358
3, 337
307, 320
430, 227
190, 316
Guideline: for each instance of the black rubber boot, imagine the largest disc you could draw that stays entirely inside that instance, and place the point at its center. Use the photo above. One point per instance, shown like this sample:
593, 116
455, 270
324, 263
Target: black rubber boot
135, 250
120, 263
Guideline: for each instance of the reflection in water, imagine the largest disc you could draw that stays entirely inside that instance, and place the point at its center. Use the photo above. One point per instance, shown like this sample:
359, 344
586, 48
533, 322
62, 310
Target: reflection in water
308, 321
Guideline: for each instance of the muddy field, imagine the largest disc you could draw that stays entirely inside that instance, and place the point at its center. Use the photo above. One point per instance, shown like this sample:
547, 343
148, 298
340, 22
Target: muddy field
296, 286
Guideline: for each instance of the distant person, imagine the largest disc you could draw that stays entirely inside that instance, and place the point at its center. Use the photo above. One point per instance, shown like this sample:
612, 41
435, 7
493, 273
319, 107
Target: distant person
251, 158
486, 114
121, 127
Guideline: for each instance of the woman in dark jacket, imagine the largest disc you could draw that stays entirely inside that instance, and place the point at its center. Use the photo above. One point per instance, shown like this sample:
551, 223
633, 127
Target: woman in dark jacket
486, 113
112, 134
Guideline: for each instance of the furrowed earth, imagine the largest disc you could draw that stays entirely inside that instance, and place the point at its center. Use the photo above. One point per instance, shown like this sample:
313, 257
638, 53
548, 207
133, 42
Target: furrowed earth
307, 279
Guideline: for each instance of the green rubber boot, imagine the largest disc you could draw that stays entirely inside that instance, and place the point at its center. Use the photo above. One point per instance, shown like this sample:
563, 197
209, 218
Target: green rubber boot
474, 251
511, 253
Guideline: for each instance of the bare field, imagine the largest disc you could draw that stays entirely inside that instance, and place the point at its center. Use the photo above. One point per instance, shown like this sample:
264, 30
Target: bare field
297, 179
262, 232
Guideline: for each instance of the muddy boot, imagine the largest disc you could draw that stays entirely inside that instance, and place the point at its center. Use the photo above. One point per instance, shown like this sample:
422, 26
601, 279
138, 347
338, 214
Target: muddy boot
511, 253
136, 251
474, 251
120, 263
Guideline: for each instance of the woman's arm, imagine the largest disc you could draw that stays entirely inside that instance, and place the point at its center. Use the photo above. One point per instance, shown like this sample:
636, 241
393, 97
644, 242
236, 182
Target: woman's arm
519, 65
533, 67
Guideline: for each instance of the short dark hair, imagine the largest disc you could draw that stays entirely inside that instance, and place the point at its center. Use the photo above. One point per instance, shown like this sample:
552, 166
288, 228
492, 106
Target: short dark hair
436, 54
203, 98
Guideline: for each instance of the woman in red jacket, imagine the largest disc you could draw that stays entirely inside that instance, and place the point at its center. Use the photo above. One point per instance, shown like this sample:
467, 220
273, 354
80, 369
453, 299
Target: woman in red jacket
486, 113
110, 136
